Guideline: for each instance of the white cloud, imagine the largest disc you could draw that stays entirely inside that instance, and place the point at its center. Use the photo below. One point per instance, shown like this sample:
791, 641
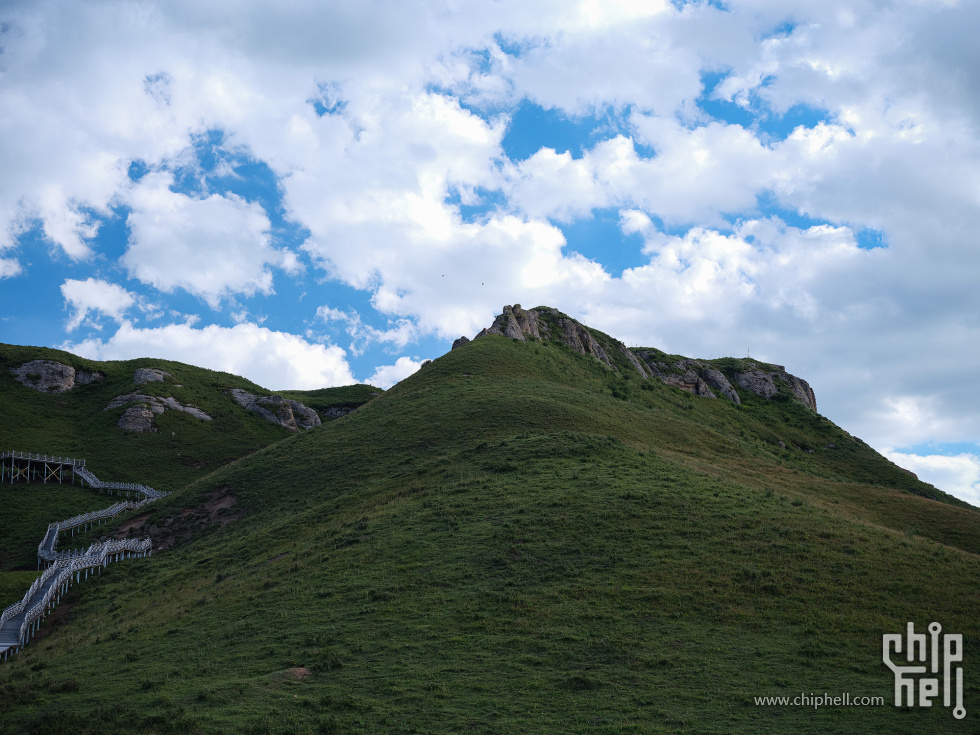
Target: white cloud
958, 475
274, 360
88, 88
9, 267
363, 335
94, 295
211, 247
387, 375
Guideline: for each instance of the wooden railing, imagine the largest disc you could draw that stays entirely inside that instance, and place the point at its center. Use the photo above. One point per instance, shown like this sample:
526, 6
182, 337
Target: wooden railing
46, 549
98, 555
43, 458
46, 591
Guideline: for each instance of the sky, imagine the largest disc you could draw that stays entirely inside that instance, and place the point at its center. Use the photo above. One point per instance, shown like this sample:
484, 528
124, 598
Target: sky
319, 193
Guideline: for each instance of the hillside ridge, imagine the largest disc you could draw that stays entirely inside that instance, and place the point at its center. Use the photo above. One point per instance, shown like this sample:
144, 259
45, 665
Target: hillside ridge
700, 377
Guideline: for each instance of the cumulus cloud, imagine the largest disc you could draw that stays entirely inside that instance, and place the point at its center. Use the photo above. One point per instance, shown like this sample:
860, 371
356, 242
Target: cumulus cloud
958, 475
94, 295
384, 125
387, 375
9, 267
363, 335
211, 247
274, 360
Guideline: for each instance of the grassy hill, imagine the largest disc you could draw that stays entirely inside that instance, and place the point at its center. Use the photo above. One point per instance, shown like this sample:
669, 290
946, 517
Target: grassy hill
76, 424
518, 539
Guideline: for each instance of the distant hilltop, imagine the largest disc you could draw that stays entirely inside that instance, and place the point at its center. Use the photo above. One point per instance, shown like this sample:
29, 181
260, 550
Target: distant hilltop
704, 378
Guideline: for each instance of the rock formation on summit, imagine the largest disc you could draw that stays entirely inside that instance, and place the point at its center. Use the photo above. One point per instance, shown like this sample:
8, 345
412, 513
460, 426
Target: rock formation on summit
48, 376
705, 378
292, 415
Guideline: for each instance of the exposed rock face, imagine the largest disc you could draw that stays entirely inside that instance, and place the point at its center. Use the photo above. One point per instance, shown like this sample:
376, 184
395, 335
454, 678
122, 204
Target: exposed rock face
758, 382
581, 340
717, 380
155, 405
460, 342
697, 376
523, 325
138, 418
336, 413
690, 378
634, 360
48, 376
514, 322
762, 383
292, 415
149, 375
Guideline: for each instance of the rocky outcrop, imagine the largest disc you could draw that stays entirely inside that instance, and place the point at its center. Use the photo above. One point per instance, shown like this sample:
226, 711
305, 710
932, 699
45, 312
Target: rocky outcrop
762, 382
636, 362
292, 415
142, 376
580, 340
515, 323
690, 375
521, 324
460, 342
140, 417
48, 376
699, 377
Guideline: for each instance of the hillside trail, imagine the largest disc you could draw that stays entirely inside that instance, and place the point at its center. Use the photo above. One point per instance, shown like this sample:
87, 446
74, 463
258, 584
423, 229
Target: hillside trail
20, 621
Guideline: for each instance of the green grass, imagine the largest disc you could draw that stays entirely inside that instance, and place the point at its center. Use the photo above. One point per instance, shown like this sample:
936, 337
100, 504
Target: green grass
27, 511
519, 540
13, 585
76, 424
349, 396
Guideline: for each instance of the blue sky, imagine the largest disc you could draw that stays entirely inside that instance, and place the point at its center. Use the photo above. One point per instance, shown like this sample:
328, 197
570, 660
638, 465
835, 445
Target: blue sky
321, 194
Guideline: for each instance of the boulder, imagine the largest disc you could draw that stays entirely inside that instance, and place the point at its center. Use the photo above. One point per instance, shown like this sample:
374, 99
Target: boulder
157, 405
138, 418
460, 342
291, 415
149, 375
48, 376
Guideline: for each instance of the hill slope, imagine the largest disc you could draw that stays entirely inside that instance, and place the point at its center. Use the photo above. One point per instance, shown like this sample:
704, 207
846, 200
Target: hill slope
79, 422
519, 539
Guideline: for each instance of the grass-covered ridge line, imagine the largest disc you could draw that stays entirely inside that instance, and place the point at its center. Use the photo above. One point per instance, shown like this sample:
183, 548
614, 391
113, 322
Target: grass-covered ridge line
519, 539
75, 423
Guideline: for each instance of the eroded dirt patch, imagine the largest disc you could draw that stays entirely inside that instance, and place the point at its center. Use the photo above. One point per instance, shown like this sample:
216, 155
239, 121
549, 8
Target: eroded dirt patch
182, 524
221, 502
300, 673
135, 523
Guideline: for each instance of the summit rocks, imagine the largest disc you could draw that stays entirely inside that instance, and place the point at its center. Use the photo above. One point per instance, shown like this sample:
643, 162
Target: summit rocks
704, 378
